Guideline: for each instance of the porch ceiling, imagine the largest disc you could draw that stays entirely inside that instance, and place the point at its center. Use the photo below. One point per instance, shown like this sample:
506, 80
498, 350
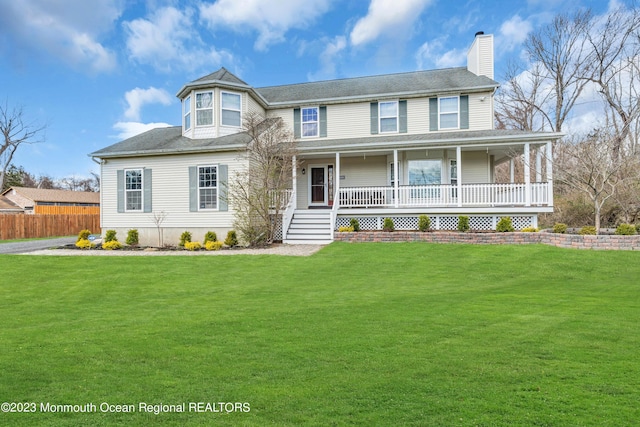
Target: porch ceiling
498, 142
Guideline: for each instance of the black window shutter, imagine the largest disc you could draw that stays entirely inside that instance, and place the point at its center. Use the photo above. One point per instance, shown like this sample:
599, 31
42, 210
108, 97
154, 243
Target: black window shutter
433, 113
146, 179
464, 112
323, 121
223, 203
120, 184
374, 118
296, 123
402, 116
193, 189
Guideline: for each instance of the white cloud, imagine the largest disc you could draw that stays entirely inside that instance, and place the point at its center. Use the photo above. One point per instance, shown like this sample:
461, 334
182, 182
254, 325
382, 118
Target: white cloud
129, 129
69, 30
328, 58
513, 33
167, 40
433, 55
137, 98
270, 18
387, 17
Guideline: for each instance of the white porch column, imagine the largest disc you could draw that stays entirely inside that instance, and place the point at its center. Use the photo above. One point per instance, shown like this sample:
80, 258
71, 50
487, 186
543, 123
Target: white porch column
294, 174
337, 181
539, 164
396, 177
459, 174
512, 171
527, 174
550, 173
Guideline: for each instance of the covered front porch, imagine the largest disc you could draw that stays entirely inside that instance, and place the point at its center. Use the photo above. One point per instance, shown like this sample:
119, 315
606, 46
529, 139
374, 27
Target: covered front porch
455, 177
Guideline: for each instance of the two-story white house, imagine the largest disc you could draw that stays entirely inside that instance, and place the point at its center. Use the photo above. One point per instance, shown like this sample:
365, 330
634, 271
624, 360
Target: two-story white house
397, 145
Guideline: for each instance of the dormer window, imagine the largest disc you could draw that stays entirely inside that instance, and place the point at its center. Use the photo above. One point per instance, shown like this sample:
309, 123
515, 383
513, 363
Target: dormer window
231, 109
186, 111
204, 109
310, 122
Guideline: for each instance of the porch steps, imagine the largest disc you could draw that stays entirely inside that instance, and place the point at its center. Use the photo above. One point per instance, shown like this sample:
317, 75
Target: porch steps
309, 227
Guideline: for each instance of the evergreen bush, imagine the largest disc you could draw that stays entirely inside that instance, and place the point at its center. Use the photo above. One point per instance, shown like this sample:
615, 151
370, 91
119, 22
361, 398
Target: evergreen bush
132, 237
505, 225
424, 223
232, 239
185, 238
463, 223
388, 225
354, 224
626, 230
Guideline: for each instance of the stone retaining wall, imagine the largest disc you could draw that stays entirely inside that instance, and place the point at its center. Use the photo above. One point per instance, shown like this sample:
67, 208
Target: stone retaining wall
516, 238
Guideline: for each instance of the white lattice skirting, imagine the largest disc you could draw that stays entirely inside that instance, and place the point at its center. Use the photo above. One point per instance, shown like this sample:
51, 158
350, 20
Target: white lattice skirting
438, 222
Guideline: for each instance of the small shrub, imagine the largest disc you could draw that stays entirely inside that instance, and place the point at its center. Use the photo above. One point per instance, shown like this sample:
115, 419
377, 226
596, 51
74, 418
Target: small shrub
83, 235
424, 223
530, 230
184, 238
638, 228
111, 245
210, 237
84, 243
110, 236
192, 246
504, 225
387, 225
232, 239
626, 230
560, 228
345, 229
587, 230
132, 237
213, 245
463, 223
354, 224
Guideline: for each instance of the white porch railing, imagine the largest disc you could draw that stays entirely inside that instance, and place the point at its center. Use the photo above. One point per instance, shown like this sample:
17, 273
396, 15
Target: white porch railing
287, 215
514, 194
280, 198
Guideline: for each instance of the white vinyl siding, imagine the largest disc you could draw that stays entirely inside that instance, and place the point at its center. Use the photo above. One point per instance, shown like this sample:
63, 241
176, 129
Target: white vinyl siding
348, 120
170, 191
475, 167
481, 111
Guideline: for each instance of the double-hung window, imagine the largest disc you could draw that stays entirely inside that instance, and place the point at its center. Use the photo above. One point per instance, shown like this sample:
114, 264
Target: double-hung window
231, 109
388, 115
310, 122
208, 187
133, 190
204, 109
186, 111
448, 112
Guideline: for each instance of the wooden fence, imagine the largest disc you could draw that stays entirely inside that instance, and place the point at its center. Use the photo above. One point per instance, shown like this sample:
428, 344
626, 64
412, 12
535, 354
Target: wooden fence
23, 226
66, 210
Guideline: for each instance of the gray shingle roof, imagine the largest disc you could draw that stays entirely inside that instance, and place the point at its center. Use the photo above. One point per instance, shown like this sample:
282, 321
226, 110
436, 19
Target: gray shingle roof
418, 82
169, 140
222, 75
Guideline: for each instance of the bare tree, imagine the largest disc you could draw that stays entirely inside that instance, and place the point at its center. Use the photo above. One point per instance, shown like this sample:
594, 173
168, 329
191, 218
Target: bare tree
614, 42
15, 132
158, 219
589, 166
564, 60
256, 192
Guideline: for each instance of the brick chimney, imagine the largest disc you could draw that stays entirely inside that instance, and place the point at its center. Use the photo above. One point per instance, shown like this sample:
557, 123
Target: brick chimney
480, 55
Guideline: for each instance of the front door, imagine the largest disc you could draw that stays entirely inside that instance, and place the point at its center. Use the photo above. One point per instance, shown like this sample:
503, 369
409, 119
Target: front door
318, 183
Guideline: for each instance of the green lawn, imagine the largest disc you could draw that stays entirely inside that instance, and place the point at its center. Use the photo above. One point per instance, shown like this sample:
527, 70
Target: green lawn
358, 334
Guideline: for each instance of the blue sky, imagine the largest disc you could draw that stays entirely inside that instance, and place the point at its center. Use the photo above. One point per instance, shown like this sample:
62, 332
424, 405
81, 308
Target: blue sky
99, 71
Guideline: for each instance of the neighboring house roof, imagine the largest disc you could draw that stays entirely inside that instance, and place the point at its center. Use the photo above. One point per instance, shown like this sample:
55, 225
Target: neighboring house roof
170, 141
417, 83
8, 205
60, 196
